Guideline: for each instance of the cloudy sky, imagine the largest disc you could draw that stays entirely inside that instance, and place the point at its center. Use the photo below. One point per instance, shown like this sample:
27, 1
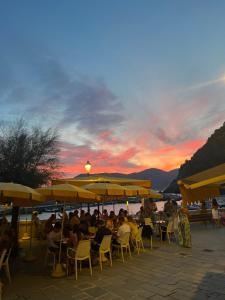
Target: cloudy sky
129, 85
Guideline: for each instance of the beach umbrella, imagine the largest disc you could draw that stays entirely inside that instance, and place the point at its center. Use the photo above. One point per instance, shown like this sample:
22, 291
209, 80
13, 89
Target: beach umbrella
108, 189
138, 190
23, 196
155, 195
19, 195
66, 193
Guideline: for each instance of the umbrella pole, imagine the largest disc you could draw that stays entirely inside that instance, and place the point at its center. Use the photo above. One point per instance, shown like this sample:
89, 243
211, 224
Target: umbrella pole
29, 256
88, 207
25, 234
58, 271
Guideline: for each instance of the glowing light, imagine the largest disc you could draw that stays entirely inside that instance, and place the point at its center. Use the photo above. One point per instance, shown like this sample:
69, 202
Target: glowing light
88, 167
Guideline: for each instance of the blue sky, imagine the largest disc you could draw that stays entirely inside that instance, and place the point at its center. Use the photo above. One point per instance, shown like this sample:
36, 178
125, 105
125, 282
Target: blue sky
128, 84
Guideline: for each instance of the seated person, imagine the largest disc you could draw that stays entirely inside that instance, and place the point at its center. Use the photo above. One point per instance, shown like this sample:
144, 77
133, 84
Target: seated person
83, 227
75, 218
63, 215
54, 236
122, 229
101, 232
105, 215
133, 227
73, 236
49, 223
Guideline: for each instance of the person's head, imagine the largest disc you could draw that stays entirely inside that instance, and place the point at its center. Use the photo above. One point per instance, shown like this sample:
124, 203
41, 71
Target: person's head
57, 227
62, 209
121, 220
70, 215
35, 213
111, 214
125, 213
82, 212
214, 202
52, 217
105, 212
95, 212
76, 212
101, 223
141, 208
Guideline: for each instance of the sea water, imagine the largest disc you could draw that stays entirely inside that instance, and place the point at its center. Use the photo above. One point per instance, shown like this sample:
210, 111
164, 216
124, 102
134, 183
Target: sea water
132, 208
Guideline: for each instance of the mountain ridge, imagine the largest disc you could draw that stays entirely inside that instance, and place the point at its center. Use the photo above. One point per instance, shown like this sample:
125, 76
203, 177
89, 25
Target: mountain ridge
160, 178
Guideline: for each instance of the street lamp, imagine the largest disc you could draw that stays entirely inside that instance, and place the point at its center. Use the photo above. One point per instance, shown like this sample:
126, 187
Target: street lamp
88, 170
88, 167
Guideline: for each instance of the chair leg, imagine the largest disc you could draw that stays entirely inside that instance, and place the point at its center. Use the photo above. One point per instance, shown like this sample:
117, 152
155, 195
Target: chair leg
138, 247
142, 245
129, 250
110, 257
76, 268
8, 272
168, 237
90, 265
151, 241
122, 254
100, 260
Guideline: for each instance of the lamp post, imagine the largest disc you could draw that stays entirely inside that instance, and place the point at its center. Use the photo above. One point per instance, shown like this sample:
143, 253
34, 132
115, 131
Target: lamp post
88, 170
88, 167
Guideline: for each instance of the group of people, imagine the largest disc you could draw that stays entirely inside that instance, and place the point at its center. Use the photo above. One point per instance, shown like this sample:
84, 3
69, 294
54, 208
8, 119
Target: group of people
77, 226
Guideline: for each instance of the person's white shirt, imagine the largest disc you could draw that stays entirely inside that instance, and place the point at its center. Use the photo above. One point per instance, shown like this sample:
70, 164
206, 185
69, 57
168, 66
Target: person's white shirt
215, 213
53, 237
124, 228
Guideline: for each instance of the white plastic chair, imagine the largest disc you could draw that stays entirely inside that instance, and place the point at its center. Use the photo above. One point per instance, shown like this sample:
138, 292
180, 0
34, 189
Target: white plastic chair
105, 247
138, 240
82, 252
170, 231
124, 244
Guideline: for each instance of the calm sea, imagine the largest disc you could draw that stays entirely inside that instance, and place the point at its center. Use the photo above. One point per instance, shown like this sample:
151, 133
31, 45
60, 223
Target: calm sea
132, 208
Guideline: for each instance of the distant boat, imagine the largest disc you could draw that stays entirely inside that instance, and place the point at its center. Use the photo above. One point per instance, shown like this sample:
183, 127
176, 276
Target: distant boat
193, 207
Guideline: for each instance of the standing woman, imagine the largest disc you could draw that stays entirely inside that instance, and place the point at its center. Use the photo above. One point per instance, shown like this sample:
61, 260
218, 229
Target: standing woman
184, 232
215, 213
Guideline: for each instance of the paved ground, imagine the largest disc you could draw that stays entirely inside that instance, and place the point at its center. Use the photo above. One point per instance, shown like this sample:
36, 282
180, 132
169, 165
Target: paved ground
166, 272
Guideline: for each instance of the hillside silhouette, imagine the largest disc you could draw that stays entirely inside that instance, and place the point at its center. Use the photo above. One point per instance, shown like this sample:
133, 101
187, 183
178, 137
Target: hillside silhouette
211, 154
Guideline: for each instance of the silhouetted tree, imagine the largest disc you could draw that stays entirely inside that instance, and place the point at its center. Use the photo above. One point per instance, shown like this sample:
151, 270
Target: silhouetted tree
27, 156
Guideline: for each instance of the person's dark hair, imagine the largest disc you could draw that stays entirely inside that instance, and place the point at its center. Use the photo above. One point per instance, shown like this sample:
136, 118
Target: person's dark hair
214, 202
121, 219
70, 215
76, 212
57, 225
77, 231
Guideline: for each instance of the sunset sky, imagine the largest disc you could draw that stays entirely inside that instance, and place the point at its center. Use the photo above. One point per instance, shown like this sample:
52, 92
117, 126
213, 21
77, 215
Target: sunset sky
129, 84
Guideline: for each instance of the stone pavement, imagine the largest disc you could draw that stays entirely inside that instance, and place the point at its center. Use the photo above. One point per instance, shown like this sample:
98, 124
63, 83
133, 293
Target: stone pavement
166, 272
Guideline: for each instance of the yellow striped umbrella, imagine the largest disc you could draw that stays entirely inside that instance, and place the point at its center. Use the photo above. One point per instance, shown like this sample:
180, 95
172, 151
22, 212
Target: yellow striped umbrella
19, 194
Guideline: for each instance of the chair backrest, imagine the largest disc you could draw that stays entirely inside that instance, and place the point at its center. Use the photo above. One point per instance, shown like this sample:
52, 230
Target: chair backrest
124, 239
8, 253
106, 243
139, 234
148, 222
83, 249
170, 226
4, 253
